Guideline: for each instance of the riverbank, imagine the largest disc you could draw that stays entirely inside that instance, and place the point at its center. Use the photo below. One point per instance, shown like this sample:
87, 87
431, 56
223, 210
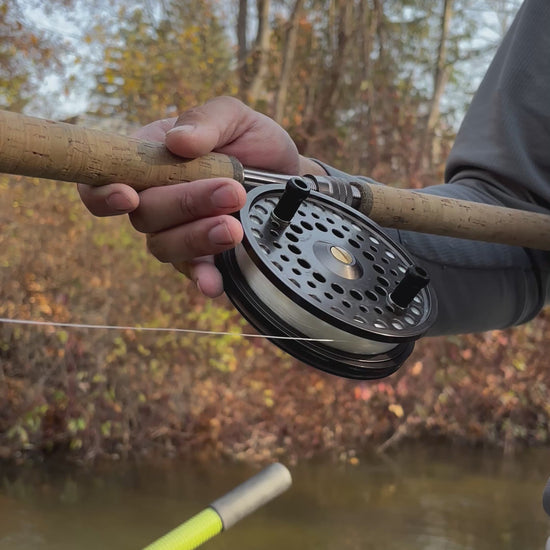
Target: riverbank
85, 394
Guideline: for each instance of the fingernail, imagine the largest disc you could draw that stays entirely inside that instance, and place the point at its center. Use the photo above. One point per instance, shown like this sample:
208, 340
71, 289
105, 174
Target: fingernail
119, 202
183, 129
220, 235
225, 197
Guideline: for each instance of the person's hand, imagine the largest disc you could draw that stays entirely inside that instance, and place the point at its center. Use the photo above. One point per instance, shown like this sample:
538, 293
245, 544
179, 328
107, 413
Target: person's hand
186, 224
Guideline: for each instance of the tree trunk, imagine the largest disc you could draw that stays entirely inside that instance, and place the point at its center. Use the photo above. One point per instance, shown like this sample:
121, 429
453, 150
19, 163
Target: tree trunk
252, 60
288, 61
368, 21
441, 76
242, 47
260, 54
326, 104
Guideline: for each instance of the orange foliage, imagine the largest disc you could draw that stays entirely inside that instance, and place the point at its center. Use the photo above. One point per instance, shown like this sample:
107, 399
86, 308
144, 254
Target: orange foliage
85, 393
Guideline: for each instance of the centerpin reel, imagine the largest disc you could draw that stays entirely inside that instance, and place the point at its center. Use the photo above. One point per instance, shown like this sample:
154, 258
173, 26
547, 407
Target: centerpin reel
311, 268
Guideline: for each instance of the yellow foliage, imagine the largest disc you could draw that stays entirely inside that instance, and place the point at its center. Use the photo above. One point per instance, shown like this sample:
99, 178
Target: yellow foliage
416, 369
396, 409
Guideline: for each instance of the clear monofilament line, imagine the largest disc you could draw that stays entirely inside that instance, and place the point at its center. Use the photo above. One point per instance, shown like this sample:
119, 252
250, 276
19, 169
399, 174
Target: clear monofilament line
55, 324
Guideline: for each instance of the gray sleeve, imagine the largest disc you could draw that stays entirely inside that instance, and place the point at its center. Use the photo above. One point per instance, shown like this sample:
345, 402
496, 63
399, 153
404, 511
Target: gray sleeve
501, 156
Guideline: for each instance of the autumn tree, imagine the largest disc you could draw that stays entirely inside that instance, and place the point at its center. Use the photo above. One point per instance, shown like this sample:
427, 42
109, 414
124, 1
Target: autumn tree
27, 53
158, 65
253, 54
369, 78
345, 80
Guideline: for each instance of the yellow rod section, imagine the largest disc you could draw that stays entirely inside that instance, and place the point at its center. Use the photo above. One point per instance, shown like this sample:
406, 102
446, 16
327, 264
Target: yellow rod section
226, 510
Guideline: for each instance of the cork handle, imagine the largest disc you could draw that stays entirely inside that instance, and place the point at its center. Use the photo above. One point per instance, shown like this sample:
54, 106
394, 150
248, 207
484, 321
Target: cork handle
55, 150
413, 211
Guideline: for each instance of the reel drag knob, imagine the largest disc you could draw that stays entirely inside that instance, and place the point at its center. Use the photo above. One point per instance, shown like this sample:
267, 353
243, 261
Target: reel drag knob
296, 191
413, 282
325, 284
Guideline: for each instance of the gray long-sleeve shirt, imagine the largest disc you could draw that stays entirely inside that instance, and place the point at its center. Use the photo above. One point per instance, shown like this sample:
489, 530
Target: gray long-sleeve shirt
501, 156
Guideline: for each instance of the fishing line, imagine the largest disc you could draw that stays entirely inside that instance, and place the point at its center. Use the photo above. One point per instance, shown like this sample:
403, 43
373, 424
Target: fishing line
6, 320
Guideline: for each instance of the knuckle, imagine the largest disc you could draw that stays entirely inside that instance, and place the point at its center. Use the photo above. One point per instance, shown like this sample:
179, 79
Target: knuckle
190, 245
228, 101
202, 113
189, 207
193, 115
175, 247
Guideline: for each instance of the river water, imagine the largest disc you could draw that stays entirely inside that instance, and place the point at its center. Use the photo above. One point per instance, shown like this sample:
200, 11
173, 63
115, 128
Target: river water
420, 498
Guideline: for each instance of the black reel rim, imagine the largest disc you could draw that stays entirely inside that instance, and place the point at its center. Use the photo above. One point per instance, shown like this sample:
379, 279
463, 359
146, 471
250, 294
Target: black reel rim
313, 353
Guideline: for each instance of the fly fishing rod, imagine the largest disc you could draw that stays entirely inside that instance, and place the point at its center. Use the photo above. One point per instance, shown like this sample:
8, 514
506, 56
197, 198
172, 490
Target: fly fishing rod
47, 149
314, 263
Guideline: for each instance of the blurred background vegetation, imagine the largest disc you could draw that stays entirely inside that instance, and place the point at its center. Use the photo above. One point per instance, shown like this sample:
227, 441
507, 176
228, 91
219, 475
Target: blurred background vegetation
372, 87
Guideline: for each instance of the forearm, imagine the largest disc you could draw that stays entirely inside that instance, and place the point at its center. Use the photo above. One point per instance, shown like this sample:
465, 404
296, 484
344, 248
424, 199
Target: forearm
501, 156
480, 286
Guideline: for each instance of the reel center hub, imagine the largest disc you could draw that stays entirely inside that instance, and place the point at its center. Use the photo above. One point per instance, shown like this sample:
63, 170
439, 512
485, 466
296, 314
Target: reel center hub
337, 260
341, 255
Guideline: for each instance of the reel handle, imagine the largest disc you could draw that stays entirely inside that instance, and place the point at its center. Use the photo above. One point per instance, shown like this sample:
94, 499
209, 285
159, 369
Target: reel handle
40, 148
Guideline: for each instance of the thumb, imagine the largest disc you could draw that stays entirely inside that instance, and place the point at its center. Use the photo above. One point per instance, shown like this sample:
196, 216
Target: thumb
209, 127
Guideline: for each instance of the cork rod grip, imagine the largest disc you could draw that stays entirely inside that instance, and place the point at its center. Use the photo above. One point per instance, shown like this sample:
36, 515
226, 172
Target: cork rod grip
413, 211
42, 148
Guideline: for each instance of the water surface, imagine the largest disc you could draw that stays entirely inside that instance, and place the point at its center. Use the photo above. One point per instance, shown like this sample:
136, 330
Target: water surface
422, 498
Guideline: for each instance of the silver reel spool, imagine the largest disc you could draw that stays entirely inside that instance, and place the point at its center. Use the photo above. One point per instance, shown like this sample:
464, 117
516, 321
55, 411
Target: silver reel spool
312, 268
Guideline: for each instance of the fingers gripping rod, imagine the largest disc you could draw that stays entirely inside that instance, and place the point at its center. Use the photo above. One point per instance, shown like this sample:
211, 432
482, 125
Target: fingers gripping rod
54, 150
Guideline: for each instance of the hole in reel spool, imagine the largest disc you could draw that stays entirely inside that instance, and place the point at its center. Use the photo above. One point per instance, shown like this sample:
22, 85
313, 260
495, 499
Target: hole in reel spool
292, 277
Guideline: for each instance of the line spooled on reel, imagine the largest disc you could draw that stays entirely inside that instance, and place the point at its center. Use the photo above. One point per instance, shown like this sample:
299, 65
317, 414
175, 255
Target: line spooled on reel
310, 266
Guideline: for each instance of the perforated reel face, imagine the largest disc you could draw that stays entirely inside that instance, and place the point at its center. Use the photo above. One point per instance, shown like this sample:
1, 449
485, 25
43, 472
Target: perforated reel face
327, 274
